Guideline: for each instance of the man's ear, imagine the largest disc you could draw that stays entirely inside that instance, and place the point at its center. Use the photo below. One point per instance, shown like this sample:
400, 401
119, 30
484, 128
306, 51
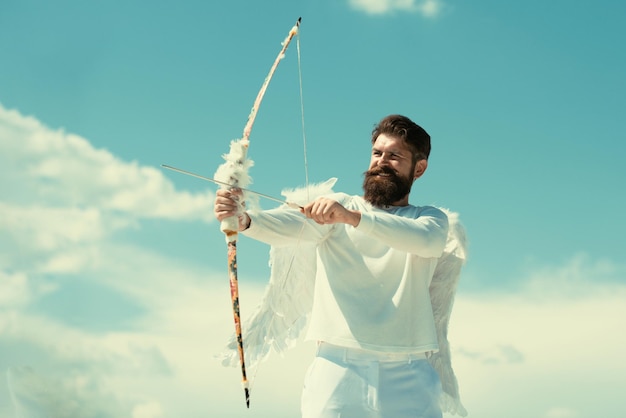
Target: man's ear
420, 168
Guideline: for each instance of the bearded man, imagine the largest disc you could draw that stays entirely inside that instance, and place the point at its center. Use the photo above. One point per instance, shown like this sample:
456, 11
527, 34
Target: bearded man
371, 315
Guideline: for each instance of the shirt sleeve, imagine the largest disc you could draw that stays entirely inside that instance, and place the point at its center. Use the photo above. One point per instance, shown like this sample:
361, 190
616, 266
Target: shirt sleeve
424, 235
284, 226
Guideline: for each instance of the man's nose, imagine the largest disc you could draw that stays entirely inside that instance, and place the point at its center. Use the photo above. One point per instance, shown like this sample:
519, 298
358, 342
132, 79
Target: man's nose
383, 160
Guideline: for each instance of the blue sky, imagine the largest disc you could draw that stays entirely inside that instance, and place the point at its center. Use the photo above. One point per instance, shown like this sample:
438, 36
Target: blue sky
113, 286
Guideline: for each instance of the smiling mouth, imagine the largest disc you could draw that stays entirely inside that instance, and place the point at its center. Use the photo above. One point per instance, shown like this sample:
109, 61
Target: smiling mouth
382, 173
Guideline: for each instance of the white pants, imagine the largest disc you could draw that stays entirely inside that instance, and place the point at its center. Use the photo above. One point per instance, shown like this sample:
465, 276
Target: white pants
349, 383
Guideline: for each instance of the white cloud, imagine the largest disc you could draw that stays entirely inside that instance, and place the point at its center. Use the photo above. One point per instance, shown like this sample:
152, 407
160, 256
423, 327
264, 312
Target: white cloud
427, 8
164, 367
35, 395
558, 412
431, 8
61, 198
554, 343
14, 290
63, 169
62, 202
151, 409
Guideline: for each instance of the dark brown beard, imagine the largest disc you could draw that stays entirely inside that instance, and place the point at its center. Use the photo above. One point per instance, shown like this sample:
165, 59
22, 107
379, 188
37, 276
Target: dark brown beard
383, 191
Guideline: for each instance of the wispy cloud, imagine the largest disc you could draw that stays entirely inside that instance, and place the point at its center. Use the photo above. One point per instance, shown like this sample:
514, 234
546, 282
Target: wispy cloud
62, 206
62, 199
551, 339
40, 164
427, 8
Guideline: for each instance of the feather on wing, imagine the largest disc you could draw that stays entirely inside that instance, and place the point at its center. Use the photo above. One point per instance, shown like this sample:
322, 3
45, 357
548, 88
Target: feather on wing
278, 321
442, 292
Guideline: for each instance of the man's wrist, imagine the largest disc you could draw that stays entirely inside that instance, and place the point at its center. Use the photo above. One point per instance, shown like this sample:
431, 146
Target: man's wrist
356, 218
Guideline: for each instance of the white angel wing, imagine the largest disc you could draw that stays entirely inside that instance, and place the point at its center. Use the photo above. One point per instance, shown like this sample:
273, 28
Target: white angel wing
283, 313
442, 291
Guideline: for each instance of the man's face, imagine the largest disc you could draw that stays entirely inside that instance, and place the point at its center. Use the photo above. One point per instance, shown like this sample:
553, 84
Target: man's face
391, 172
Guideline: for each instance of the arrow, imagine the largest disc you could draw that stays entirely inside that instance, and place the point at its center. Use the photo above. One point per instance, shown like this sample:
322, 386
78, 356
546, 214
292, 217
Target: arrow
222, 183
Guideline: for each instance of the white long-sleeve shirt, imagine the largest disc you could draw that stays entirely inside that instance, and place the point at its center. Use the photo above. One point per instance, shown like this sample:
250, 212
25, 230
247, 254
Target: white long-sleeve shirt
371, 288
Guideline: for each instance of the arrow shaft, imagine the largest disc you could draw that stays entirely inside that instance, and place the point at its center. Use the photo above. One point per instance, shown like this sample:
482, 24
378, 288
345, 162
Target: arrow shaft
223, 183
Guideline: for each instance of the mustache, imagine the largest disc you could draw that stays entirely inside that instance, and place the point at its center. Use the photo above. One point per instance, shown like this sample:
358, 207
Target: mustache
381, 170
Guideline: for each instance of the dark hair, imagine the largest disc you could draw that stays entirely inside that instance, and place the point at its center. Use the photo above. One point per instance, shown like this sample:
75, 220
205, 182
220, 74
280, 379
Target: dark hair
399, 126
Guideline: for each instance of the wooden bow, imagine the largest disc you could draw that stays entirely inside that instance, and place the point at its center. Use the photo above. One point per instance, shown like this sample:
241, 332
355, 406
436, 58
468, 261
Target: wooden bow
234, 172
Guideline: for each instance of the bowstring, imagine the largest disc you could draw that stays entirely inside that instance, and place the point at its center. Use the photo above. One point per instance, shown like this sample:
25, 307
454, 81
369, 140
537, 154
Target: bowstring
283, 280
304, 147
